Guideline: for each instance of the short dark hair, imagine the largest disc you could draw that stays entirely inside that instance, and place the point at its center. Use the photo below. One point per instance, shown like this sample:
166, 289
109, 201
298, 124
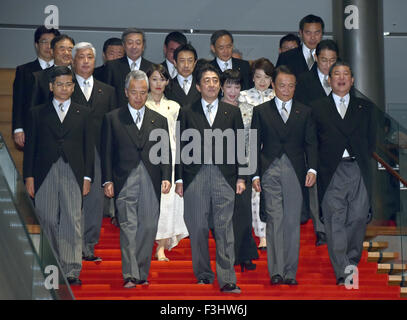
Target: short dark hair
111, 42
230, 76
282, 69
264, 64
290, 37
219, 33
43, 30
177, 37
205, 68
312, 19
128, 31
60, 38
338, 63
327, 45
59, 71
160, 69
185, 47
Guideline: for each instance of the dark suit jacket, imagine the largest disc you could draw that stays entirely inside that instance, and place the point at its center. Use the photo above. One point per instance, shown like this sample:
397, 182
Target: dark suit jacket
294, 59
102, 100
296, 138
22, 90
175, 92
48, 139
40, 92
309, 88
356, 133
193, 117
124, 146
243, 67
115, 74
99, 73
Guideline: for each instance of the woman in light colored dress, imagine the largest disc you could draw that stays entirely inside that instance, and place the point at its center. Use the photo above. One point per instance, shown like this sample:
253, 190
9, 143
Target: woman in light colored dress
245, 246
171, 225
262, 70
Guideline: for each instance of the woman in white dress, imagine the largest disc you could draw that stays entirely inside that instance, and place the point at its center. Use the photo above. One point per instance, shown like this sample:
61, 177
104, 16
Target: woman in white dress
171, 225
262, 70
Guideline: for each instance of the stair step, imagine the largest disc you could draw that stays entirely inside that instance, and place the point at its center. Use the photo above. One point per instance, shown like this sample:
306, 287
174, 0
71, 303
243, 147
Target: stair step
375, 245
382, 256
397, 280
391, 268
403, 292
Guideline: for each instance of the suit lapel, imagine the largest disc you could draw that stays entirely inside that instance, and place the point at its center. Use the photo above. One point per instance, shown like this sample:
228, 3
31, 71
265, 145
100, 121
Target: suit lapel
317, 83
70, 118
52, 120
275, 118
78, 95
129, 125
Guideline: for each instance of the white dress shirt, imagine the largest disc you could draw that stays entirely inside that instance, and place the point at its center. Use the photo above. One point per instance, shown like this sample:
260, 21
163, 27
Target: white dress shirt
306, 52
181, 82
133, 113
222, 64
171, 69
214, 109
322, 80
337, 102
138, 62
44, 63
81, 84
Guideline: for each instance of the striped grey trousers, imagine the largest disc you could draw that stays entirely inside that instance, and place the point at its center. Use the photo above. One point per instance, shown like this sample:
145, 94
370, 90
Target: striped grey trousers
58, 203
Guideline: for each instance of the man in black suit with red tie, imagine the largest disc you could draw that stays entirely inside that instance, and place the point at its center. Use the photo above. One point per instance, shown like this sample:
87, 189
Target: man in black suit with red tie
301, 59
222, 48
346, 131
58, 168
116, 70
100, 98
182, 88
24, 81
172, 41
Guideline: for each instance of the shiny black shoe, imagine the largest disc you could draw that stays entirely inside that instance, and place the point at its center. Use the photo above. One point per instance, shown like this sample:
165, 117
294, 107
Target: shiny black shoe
204, 281
92, 258
321, 239
340, 282
230, 288
248, 265
73, 281
290, 282
276, 279
142, 282
262, 248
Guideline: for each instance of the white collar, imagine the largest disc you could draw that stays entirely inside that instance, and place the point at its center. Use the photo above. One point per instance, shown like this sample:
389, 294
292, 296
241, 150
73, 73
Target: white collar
43, 63
138, 62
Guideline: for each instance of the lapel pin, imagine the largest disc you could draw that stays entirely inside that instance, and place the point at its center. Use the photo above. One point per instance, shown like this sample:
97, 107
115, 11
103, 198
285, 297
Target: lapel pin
152, 121
100, 90
297, 111
226, 112
360, 107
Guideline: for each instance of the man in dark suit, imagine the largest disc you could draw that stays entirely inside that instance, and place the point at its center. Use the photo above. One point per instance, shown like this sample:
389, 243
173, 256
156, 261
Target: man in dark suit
100, 98
117, 70
286, 144
133, 177
24, 81
209, 187
112, 50
302, 58
313, 85
289, 42
172, 41
58, 167
182, 88
222, 48
61, 47
346, 132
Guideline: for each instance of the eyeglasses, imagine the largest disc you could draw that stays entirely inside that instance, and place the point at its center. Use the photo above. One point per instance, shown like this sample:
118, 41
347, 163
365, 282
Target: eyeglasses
44, 42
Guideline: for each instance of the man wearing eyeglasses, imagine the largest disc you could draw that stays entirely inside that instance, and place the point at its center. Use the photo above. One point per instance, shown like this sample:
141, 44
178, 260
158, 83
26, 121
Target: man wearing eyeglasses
58, 168
24, 80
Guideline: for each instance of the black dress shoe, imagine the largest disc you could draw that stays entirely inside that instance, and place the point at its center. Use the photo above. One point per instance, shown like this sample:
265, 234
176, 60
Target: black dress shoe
262, 248
130, 283
277, 279
340, 282
230, 288
321, 239
290, 282
204, 281
73, 281
248, 265
92, 258
142, 282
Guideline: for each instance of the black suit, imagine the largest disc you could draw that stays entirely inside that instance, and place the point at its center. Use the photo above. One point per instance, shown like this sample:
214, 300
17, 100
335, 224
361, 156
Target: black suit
40, 92
124, 146
309, 87
99, 73
293, 59
175, 92
48, 139
243, 67
115, 74
22, 90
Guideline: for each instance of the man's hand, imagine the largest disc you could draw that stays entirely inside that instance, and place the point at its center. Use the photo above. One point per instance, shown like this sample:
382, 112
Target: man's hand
179, 189
19, 139
109, 190
29, 184
165, 186
310, 179
86, 187
256, 185
240, 186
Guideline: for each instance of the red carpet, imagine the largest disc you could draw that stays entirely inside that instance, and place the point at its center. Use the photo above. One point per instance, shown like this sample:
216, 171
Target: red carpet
174, 280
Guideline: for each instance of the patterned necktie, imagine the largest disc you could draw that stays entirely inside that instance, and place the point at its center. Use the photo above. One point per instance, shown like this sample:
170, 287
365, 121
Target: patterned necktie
210, 106
86, 89
284, 113
185, 86
326, 85
48, 65
226, 66
133, 66
342, 108
174, 73
138, 119
310, 60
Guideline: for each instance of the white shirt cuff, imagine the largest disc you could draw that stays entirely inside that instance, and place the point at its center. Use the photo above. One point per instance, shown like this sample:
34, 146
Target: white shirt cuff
18, 130
312, 171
